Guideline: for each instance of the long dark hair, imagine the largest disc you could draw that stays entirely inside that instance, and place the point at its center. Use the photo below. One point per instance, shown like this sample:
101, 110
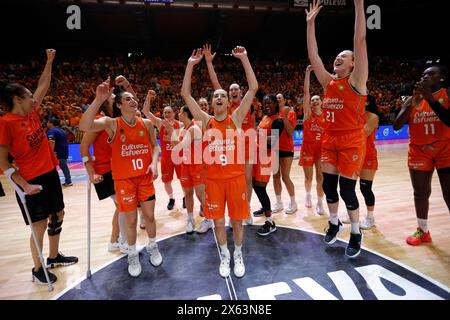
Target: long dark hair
372, 105
9, 91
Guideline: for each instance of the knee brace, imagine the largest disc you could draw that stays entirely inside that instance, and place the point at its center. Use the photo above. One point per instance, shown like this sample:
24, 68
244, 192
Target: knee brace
348, 194
261, 193
366, 189
54, 227
330, 182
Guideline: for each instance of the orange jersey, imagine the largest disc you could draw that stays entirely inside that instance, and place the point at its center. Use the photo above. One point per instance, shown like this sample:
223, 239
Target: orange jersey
249, 120
164, 139
28, 144
343, 107
313, 128
286, 140
131, 150
221, 153
424, 125
102, 152
196, 156
266, 124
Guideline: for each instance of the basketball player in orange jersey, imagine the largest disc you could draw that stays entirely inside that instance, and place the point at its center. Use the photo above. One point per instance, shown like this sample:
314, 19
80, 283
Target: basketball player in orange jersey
167, 165
224, 160
134, 166
189, 145
343, 144
313, 129
235, 97
270, 129
286, 156
99, 168
22, 136
428, 115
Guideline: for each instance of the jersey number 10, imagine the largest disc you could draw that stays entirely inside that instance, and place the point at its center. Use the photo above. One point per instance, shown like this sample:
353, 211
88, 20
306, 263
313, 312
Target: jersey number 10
138, 164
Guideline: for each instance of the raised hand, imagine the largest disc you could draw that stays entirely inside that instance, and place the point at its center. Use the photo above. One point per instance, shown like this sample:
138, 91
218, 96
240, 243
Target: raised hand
151, 96
207, 52
309, 68
122, 81
50, 54
104, 90
313, 11
196, 57
239, 52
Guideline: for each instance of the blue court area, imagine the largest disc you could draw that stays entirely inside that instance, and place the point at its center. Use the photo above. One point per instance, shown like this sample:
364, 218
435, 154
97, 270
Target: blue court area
289, 264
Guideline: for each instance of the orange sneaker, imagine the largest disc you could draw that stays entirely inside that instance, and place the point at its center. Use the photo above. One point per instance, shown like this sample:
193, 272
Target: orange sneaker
418, 237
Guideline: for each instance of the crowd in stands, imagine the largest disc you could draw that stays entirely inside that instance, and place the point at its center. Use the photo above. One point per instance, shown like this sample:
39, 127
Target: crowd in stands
75, 79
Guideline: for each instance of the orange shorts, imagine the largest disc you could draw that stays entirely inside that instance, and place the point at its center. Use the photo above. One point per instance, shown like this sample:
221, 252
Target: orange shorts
370, 160
429, 156
345, 151
167, 168
192, 175
262, 172
310, 153
129, 192
233, 192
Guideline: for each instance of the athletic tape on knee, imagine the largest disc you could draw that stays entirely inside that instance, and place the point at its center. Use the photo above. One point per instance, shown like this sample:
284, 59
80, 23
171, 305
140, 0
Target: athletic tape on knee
54, 226
366, 189
348, 194
329, 186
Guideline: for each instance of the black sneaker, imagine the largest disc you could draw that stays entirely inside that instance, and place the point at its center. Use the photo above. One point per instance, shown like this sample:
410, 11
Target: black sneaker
65, 184
258, 213
332, 232
61, 260
354, 245
267, 229
39, 276
184, 202
171, 204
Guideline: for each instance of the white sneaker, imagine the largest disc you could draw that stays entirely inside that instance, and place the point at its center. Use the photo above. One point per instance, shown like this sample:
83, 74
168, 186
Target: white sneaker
367, 223
205, 226
320, 210
308, 202
277, 207
134, 265
239, 267
249, 221
113, 246
224, 268
124, 248
155, 257
190, 225
292, 208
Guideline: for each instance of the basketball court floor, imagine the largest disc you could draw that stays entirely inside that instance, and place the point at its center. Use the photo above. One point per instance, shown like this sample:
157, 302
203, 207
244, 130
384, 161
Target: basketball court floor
292, 263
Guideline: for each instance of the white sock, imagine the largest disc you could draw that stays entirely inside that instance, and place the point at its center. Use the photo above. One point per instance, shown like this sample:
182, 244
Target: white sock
224, 250
370, 214
151, 241
171, 196
334, 218
269, 219
320, 201
423, 224
279, 198
355, 228
293, 200
308, 195
190, 215
237, 249
132, 249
